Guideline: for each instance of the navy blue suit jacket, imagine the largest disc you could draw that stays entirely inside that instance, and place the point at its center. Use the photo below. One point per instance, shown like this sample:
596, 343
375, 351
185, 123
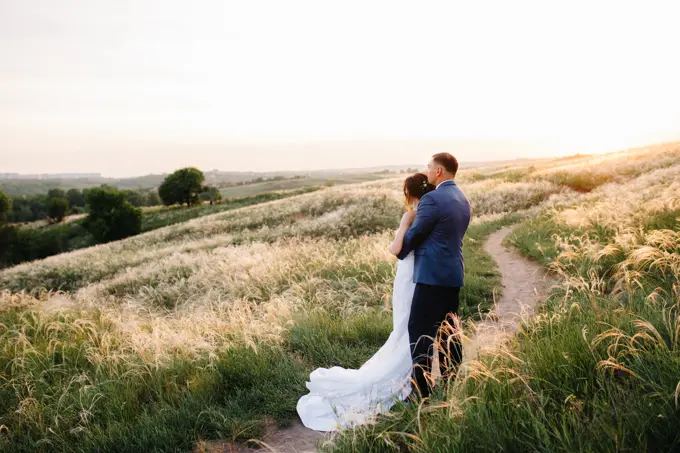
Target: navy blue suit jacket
436, 236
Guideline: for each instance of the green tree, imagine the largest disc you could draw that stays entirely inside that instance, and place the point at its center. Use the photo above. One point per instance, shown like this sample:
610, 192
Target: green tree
75, 198
152, 199
56, 209
211, 194
183, 186
27, 208
5, 206
56, 193
74, 210
7, 232
39, 206
21, 209
111, 216
135, 197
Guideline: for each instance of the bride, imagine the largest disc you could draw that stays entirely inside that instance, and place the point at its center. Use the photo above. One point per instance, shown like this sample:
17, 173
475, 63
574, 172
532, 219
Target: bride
339, 397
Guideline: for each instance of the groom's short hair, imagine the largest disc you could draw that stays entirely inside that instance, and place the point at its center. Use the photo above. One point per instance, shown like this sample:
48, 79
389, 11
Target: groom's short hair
447, 161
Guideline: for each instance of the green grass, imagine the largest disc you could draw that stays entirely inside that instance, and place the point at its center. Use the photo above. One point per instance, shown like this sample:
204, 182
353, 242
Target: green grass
74, 404
533, 238
324, 340
569, 403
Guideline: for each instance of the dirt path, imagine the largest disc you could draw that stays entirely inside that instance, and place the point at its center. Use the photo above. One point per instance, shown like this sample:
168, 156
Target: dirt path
523, 284
295, 439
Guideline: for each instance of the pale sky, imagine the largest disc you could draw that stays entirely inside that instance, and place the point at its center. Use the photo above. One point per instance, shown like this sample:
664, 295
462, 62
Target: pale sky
133, 87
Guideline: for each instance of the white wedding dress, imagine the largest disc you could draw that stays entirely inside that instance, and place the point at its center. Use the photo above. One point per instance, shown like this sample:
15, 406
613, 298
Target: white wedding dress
340, 398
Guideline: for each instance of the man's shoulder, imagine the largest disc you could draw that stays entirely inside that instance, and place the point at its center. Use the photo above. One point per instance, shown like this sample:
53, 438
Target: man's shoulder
454, 189
445, 190
430, 196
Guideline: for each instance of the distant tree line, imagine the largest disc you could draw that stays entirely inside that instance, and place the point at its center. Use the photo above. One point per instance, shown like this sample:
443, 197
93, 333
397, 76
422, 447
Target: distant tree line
110, 217
112, 214
403, 170
58, 203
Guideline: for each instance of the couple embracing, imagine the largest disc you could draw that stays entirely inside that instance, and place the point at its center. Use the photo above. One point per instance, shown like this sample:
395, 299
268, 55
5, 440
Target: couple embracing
427, 284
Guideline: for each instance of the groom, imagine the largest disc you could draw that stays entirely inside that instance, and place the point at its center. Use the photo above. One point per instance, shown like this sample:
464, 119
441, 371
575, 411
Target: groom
436, 236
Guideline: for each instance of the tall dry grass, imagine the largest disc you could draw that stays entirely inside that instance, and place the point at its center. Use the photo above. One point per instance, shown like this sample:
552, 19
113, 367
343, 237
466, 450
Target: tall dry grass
209, 328
597, 369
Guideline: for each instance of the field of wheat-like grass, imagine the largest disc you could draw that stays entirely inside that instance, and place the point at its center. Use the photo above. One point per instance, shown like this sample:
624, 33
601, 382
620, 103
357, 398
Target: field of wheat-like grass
207, 329
598, 368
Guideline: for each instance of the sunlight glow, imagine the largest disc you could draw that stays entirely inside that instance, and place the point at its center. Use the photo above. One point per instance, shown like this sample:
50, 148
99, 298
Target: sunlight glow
86, 82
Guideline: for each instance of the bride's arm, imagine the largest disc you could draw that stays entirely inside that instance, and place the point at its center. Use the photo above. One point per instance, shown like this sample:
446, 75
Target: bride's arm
398, 242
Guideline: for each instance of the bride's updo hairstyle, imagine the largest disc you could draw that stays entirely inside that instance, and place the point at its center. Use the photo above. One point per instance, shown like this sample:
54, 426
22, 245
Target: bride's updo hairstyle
415, 186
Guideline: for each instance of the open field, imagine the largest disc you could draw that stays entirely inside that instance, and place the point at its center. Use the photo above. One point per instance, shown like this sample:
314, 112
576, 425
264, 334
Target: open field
291, 184
207, 329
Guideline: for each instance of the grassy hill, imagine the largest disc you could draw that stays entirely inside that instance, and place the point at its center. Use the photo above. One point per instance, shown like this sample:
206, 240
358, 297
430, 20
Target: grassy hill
207, 329
37, 240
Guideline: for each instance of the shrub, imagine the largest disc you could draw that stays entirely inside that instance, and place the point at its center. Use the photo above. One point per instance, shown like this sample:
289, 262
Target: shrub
135, 197
111, 216
5, 206
211, 194
57, 209
7, 235
75, 198
153, 199
18, 245
56, 193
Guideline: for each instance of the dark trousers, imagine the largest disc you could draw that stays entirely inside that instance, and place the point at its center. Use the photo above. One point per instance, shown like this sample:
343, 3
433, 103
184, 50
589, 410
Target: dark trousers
430, 307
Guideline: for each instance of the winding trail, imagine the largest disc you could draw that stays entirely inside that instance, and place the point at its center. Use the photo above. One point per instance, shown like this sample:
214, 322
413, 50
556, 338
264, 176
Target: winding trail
524, 285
